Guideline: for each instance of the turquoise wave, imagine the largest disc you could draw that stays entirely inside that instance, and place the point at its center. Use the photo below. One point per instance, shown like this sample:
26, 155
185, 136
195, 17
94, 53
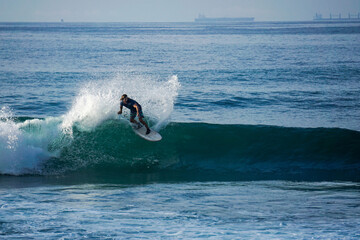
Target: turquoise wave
188, 151
212, 151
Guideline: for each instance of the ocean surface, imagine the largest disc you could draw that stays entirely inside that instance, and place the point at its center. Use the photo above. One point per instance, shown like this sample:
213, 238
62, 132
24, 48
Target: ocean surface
260, 124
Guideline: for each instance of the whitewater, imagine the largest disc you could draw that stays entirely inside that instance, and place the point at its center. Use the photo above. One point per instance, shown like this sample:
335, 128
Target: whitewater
260, 126
26, 144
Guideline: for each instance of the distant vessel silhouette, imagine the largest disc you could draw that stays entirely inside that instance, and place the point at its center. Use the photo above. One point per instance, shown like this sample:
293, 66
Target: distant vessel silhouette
338, 17
202, 18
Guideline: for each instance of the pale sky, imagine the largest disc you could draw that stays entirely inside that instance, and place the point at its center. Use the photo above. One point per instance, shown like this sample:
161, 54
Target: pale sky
169, 10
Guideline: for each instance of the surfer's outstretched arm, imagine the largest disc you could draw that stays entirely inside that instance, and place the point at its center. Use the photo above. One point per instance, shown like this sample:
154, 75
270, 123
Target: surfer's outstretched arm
120, 112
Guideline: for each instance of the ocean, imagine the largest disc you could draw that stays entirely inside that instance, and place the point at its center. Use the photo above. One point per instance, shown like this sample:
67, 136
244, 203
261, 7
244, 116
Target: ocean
260, 124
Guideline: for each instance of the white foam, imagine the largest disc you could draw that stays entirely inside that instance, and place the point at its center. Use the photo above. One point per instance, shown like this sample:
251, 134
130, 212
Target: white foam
25, 145
21, 150
98, 101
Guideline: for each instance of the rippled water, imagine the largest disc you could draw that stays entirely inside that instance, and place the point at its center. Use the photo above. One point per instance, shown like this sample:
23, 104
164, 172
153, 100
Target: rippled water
226, 210
288, 74
240, 107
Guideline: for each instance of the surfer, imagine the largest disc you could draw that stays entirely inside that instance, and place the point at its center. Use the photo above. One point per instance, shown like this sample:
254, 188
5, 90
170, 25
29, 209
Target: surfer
135, 110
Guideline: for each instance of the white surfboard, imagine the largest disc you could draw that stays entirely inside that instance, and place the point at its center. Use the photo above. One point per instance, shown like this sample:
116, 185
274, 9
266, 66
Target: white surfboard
141, 131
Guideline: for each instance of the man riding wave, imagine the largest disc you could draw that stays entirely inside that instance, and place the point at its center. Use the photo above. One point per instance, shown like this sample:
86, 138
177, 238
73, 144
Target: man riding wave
135, 110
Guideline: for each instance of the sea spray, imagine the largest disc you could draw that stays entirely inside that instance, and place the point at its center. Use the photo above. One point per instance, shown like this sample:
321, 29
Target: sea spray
166, 96
32, 145
23, 146
98, 101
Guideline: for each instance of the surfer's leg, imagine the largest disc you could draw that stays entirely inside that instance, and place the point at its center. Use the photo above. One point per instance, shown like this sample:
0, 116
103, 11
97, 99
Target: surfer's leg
132, 119
141, 116
145, 124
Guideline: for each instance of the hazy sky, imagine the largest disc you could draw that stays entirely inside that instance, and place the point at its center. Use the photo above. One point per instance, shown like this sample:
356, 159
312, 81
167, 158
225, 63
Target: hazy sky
169, 10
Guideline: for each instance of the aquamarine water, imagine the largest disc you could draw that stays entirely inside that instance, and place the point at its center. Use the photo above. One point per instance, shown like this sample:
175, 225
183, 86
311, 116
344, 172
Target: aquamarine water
215, 210
260, 126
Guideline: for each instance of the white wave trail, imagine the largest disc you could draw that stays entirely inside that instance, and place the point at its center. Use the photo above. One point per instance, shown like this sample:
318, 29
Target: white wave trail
99, 100
24, 146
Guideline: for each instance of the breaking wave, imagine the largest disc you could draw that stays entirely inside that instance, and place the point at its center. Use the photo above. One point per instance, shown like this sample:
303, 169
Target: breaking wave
91, 138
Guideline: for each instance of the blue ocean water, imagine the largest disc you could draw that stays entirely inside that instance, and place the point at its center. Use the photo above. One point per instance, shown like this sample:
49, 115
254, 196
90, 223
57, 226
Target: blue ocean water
260, 125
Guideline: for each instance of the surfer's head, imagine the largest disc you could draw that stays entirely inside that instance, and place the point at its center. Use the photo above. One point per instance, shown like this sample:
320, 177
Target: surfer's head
123, 97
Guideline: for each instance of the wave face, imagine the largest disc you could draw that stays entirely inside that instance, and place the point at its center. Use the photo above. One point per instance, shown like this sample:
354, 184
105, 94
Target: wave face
187, 151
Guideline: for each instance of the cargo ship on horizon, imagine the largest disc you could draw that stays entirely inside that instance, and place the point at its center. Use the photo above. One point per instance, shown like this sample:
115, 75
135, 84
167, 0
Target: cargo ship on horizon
338, 17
